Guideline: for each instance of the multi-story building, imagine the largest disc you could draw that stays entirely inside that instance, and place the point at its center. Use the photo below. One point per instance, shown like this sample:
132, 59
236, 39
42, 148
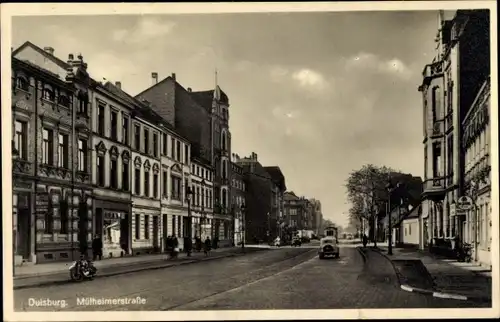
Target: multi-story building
52, 192
111, 155
203, 118
294, 211
450, 86
476, 143
146, 200
238, 200
259, 197
317, 220
277, 205
202, 197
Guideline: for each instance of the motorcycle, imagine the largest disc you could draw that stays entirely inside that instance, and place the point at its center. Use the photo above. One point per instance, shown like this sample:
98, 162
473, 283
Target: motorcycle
81, 270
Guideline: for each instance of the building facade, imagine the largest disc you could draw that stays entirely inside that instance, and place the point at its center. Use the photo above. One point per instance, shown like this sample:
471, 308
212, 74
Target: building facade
238, 201
146, 201
477, 177
52, 192
317, 224
202, 198
450, 86
259, 197
277, 204
203, 118
111, 175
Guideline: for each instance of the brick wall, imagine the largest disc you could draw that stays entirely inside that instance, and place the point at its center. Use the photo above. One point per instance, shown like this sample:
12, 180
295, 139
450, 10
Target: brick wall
163, 98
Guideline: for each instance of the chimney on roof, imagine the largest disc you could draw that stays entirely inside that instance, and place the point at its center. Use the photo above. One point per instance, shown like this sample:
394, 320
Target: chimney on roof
189, 89
49, 50
118, 84
173, 76
154, 78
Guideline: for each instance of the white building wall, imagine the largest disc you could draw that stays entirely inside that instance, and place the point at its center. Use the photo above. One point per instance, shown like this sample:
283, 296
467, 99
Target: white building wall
411, 231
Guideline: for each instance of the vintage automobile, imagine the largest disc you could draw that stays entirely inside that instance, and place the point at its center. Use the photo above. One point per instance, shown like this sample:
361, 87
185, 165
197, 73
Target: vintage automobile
328, 247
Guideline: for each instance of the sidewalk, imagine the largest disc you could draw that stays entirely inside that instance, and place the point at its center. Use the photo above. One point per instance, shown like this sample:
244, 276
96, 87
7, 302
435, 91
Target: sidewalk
57, 273
467, 280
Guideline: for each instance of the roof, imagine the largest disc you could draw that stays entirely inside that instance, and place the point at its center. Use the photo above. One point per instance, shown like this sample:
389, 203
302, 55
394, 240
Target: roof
276, 175
206, 97
43, 52
290, 195
202, 161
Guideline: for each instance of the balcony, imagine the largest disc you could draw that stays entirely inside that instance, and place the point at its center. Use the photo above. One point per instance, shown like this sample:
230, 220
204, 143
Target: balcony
432, 71
434, 189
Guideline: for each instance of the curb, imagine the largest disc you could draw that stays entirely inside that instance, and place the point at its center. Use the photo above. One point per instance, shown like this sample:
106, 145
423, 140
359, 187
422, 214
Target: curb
139, 269
363, 255
442, 295
411, 289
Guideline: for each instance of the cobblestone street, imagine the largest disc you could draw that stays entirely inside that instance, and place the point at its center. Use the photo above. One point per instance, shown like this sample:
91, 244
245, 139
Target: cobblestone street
287, 278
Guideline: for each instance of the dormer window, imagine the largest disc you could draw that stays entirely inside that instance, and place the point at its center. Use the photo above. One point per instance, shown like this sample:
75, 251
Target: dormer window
48, 94
22, 83
64, 100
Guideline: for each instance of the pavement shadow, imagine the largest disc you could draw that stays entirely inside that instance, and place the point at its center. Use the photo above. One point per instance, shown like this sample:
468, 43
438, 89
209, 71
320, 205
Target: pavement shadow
413, 272
376, 269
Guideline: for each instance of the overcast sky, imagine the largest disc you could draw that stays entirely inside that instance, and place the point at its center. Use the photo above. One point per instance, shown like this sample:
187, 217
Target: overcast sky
318, 94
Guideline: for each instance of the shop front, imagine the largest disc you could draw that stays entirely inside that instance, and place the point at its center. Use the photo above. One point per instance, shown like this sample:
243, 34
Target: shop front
112, 222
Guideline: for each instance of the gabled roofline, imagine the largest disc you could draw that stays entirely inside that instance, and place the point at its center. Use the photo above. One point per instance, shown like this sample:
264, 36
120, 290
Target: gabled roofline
153, 86
59, 61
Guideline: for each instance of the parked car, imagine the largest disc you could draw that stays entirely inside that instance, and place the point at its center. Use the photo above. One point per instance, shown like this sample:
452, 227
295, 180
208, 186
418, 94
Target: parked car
328, 246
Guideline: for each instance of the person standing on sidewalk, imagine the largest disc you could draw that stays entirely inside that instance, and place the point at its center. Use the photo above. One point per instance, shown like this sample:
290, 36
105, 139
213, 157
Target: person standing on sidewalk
188, 246
365, 240
208, 246
97, 247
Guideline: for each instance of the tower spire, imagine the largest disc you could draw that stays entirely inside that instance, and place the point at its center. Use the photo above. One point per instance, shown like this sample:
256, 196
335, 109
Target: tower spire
216, 84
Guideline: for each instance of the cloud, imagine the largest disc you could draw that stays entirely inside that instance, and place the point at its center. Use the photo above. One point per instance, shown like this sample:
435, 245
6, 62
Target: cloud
278, 73
309, 78
147, 28
373, 63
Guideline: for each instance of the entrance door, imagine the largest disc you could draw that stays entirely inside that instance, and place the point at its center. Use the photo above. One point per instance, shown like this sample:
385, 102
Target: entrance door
156, 245
165, 229
23, 233
124, 232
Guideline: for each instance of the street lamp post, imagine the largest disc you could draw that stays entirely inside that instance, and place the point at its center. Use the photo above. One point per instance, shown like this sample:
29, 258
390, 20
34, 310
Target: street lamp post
474, 195
189, 193
242, 225
390, 189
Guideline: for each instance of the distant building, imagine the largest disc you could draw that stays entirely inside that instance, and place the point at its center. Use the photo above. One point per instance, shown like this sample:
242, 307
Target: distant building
317, 225
279, 188
259, 199
238, 202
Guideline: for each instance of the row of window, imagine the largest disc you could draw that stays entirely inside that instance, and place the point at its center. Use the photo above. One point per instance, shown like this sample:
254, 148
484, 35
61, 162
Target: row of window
202, 196
47, 94
146, 227
145, 140
201, 172
238, 184
49, 145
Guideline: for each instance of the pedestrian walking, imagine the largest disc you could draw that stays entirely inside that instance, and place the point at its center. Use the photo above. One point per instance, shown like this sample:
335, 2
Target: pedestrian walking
198, 244
216, 242
208, 246
175, 247
365, 240
188, 246
97, 247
